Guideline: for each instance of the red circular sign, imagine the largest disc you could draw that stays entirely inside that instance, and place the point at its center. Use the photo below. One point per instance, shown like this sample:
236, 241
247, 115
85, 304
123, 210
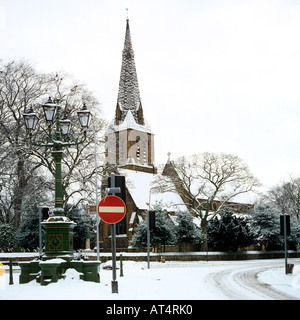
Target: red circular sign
111, 209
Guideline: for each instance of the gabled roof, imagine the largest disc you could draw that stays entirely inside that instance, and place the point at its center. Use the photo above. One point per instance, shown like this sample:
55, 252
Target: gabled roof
140, 185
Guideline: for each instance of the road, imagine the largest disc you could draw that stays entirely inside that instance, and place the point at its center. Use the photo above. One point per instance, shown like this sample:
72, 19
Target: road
240, 281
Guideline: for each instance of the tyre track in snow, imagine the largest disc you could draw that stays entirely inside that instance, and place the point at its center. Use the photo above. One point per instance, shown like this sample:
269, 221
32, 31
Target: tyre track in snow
242, 283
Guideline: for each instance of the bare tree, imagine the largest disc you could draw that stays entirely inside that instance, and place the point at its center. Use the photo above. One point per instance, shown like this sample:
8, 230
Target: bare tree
202, 179
20, 86
286, 196
24, 169
78, 161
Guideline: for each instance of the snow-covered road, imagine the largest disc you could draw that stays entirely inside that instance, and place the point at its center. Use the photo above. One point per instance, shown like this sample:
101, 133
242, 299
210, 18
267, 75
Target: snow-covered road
173, 280
241, 282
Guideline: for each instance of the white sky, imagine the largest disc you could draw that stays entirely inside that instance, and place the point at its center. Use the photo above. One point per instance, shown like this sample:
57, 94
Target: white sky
217, 75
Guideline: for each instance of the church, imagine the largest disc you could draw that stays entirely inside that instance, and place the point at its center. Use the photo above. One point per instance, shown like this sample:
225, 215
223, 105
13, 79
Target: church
129, 151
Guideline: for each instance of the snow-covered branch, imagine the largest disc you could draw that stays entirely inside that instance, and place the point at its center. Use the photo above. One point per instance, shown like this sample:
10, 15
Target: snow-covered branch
205, 178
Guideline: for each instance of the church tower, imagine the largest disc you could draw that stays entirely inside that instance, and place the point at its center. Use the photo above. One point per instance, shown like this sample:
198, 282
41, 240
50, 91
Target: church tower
129, 138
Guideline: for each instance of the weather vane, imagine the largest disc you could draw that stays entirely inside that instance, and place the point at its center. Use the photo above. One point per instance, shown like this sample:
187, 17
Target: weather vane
127, 12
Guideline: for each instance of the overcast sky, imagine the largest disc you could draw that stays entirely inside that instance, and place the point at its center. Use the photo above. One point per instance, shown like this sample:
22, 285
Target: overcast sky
214, 75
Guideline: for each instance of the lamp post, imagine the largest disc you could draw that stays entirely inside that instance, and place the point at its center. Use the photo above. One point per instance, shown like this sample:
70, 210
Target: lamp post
148, 229
58, 227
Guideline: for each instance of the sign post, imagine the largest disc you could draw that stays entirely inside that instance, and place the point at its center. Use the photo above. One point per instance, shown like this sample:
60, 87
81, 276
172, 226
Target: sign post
112, 210
285, 230
148, 239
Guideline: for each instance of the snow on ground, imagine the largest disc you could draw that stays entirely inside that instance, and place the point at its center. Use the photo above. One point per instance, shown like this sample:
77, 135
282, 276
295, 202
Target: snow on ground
288, 283
163, 281
159, 282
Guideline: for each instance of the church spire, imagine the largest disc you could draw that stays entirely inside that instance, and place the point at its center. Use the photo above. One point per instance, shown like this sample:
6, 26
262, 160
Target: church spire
129, 94
129, 138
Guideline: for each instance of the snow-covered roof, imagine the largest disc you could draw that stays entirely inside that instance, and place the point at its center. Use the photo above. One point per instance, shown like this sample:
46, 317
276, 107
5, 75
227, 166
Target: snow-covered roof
141, 187
129, 123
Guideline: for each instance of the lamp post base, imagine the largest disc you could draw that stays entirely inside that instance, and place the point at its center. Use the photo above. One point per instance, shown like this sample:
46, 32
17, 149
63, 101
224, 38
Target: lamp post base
50, 271
58, 237
58, 256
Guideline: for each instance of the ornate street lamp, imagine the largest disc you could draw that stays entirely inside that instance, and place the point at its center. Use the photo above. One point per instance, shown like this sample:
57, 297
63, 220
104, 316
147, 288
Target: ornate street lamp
50, 111
85, 117
31, 120
65, 125
58, 227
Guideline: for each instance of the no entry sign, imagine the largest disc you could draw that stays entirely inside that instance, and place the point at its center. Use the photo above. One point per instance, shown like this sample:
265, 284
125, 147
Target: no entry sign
111, 209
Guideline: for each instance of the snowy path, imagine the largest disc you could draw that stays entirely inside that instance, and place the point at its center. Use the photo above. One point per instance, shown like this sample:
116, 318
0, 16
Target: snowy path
214, 280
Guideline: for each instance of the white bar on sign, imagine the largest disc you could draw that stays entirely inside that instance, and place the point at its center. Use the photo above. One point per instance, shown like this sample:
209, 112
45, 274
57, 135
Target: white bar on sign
112, 209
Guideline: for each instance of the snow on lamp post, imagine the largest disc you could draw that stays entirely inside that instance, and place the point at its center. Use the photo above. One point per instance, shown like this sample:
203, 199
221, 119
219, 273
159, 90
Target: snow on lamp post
58, 227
